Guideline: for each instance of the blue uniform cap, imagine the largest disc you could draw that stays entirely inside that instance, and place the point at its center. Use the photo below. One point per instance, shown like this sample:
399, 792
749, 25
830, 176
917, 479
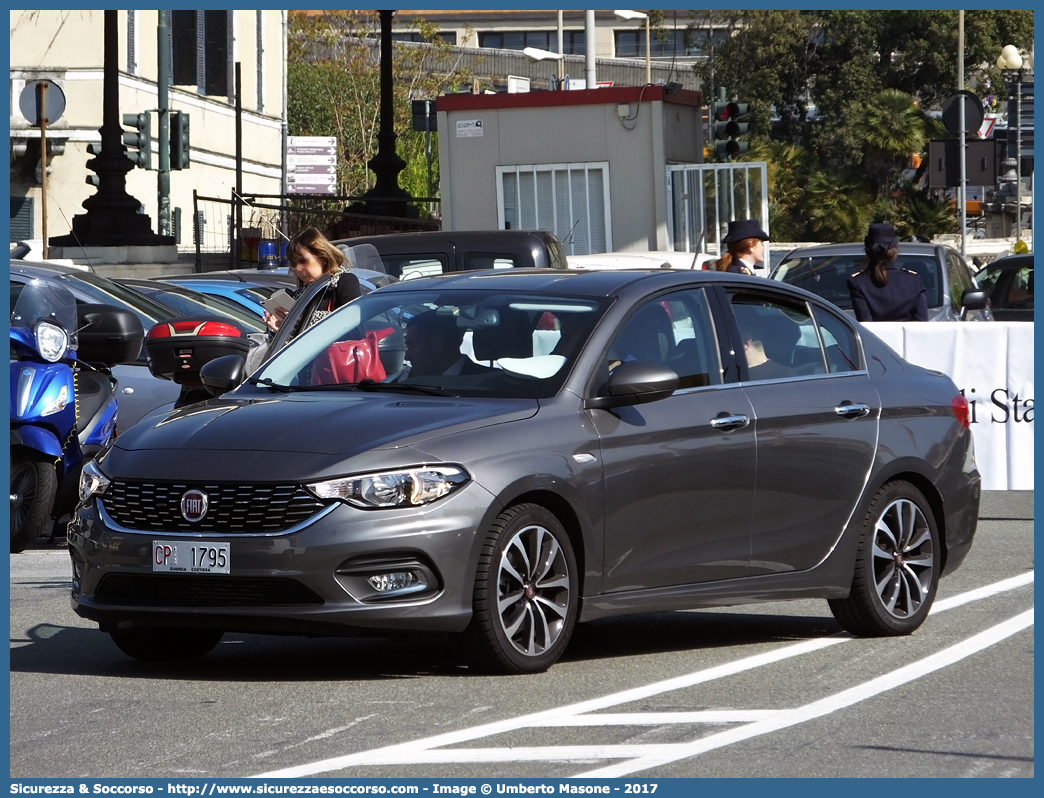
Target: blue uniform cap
881, 237
744, 228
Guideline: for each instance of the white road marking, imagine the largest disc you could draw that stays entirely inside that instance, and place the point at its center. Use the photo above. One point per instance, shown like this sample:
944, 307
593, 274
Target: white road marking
825, 706
643, 757
664, 718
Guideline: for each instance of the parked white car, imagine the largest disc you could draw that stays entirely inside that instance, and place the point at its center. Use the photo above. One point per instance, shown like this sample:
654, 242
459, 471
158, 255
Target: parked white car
641, 260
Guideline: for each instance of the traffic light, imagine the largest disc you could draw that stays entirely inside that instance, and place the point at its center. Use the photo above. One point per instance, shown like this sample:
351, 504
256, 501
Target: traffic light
730, 122
179, 140
139, 139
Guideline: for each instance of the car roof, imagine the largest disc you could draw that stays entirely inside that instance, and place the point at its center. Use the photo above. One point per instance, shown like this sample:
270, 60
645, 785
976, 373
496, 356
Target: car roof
36, 267
858, 248
574, 281
256, 276
1011, 262
449, 235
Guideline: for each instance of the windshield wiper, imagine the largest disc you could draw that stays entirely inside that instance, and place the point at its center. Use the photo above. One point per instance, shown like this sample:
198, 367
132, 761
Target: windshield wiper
393, 387
267, 382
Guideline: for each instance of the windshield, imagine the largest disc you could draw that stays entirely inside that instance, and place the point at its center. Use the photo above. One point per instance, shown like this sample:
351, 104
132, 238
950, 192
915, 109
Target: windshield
453, 342
39, 300
184, 304
103, 291
827, 275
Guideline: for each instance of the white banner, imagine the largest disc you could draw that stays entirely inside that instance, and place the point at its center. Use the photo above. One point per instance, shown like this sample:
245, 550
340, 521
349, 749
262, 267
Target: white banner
992, 365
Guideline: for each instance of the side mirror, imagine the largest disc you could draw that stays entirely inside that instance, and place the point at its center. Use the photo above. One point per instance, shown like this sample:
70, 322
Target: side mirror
973, 299
636, 383
223, 374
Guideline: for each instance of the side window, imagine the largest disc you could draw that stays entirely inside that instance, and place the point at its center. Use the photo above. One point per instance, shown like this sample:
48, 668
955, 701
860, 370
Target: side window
959, 278
842, 350
779, 338
673, 331
489, 260
407, 267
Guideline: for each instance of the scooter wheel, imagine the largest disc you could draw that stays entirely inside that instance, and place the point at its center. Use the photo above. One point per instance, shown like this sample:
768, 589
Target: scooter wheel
34, 484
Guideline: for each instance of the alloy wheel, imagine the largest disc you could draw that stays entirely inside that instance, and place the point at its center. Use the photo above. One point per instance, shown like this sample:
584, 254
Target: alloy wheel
533, 590
903, 558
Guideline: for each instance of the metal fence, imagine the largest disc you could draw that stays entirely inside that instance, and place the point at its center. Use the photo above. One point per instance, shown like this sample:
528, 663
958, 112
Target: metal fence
281, 216
704, 198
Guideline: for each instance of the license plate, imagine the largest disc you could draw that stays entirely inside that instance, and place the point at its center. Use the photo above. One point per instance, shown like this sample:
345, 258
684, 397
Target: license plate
190, 557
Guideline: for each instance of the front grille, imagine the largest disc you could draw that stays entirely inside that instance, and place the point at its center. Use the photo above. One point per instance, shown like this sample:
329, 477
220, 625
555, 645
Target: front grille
232, 508
177, 590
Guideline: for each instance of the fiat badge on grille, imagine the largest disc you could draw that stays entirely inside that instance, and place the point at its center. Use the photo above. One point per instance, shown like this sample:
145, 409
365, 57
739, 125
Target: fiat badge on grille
194, 505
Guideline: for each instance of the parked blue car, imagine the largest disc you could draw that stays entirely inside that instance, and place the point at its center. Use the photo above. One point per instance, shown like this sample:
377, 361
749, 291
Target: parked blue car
249, 295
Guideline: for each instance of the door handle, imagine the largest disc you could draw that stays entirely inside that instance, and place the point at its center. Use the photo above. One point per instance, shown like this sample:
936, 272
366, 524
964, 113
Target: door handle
850, 410
724, 422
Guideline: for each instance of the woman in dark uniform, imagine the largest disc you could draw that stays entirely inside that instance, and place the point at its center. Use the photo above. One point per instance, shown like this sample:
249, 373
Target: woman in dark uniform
882, 291
746, 246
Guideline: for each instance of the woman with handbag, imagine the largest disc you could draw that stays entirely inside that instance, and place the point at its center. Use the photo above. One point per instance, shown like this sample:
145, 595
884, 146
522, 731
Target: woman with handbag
311, 255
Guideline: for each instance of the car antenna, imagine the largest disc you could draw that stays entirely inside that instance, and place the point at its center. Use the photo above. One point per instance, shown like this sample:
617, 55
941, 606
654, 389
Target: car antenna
696, 254
251, 204
569, 235
72, 232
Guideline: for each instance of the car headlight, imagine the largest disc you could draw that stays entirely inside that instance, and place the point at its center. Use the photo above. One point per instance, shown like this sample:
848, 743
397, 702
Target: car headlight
408, 487
92, 482
51, 341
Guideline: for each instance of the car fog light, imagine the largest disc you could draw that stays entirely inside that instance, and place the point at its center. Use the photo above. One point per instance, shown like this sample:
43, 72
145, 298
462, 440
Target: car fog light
399, 581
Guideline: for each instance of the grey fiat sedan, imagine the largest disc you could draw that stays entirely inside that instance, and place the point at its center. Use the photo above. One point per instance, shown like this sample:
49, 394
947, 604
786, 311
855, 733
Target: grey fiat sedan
585, 444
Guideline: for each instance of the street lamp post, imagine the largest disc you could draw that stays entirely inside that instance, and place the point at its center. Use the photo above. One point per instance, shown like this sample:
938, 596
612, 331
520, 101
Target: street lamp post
625, 14
1012, 64
535, 55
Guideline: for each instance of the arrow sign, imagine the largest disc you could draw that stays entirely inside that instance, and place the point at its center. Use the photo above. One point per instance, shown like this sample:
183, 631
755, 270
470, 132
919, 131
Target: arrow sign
311, 141
293, 159
314, 169
320, 179
311, 151
312, 189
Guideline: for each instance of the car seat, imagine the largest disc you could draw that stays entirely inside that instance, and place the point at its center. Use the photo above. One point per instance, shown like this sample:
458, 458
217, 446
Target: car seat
647, 338
511, 337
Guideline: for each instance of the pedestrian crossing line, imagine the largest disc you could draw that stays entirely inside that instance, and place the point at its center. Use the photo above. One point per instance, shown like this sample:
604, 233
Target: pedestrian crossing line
825, 706
421, 751
666, 718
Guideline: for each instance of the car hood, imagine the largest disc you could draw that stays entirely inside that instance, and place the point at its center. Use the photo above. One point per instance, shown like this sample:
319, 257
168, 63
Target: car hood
340, 424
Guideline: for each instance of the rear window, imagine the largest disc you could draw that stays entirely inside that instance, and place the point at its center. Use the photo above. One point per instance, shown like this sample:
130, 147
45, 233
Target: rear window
420, 264
827, 275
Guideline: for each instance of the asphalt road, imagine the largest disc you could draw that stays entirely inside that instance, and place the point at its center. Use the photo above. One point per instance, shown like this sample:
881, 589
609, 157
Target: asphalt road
772, 690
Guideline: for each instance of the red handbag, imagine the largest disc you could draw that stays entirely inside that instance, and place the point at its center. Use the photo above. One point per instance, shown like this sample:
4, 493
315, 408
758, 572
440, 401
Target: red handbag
347, 362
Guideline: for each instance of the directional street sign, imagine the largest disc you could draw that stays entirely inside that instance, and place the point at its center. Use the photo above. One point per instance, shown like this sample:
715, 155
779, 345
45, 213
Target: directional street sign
314, 169
311, 164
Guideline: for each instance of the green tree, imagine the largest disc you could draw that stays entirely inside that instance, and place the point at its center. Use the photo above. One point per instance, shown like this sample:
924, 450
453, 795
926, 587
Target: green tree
891, 129
854, 68
333, 89
837, 205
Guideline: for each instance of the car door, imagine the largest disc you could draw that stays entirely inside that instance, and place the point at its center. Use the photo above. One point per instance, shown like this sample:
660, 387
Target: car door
961, 278
679, 472
816, 422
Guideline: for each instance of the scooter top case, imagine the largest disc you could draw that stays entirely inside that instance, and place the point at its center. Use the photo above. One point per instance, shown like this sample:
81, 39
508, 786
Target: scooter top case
176, 350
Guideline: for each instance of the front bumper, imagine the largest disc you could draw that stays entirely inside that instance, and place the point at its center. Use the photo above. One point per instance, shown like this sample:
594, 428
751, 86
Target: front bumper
310, 580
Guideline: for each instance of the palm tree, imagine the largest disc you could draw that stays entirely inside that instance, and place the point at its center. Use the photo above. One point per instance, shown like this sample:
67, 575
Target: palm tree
891, 128
838, 206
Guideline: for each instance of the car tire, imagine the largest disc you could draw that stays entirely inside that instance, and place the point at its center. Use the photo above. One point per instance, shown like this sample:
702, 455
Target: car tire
157, 644
34, 484
526, 593
897, 566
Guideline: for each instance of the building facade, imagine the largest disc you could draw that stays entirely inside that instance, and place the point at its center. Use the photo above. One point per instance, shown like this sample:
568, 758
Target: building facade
589, 165
66, 48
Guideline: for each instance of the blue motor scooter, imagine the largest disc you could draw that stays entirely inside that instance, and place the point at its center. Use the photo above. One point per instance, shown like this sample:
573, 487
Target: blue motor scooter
63, 398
